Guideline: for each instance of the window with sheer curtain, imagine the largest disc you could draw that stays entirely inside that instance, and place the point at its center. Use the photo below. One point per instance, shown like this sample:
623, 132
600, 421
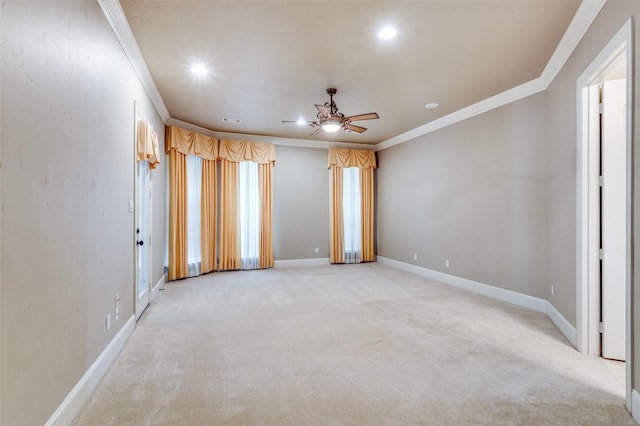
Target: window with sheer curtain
249, 215
220, 204
352, 205
194, 188
351, 214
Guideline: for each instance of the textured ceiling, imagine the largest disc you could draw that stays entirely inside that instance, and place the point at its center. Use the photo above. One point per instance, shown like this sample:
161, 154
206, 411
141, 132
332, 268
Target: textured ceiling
273, 60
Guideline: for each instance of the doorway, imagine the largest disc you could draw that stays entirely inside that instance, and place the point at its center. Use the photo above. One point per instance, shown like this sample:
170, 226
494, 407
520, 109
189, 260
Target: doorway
604, 204
143, 237
142, 224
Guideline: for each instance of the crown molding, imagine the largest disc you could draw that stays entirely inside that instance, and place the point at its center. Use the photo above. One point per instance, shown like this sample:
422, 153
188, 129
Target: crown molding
118, 21
579, 25
303, 143
511, 95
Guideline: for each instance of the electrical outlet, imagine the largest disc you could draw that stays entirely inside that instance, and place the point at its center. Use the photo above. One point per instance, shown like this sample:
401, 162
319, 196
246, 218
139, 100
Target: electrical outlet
446, 263
117, 306
108, 322
317, 250
553, 290
415, 256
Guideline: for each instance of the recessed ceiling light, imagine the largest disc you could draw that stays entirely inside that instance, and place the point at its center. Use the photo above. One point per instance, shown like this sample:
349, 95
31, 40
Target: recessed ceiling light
387, 33
199, 70
431, 105
301, 121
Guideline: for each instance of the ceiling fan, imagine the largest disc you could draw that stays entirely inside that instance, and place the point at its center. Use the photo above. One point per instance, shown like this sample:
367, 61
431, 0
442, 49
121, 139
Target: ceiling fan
331, 120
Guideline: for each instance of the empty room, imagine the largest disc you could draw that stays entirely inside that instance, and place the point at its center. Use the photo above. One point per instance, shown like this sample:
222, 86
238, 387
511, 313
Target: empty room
319, 213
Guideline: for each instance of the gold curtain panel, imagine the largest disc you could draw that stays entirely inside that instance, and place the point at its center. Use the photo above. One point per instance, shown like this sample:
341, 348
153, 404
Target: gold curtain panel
219, 203
191, 143
237, 151
147, 144
365, 160
345, 158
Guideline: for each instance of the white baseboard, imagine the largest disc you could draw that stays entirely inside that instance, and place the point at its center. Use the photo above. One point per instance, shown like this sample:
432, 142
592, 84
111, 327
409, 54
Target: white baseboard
565, 327
159, 286
509, 296
81, 392
635, 405
300, 263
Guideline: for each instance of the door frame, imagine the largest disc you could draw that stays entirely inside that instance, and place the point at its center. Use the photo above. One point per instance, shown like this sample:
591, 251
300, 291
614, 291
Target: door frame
138, 310
588, 199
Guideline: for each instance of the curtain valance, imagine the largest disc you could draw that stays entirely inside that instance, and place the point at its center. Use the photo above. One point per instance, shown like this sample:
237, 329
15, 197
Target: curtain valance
147, 144
343, 157
237, 151
191, 143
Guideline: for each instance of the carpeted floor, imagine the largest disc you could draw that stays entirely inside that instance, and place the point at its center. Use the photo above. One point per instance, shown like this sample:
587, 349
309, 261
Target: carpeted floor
348, 345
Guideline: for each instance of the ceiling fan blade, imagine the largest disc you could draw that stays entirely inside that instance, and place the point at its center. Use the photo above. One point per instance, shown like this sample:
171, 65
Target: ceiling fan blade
354, 128
368, 116
324, 111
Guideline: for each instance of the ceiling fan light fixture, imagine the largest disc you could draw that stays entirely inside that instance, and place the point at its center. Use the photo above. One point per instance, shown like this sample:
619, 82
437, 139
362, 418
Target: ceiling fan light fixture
331, 125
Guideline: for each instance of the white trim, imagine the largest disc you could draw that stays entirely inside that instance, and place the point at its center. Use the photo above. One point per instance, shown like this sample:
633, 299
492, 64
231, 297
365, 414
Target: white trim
268, 139
583, 18
158, 286
301, 263
81, 392
504, 98
635, 406
509, 296
118, 21
587, 194
565, 327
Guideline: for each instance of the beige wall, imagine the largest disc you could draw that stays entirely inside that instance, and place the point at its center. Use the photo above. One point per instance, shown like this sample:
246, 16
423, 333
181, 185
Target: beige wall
561, 99
561, 159
496, 194
67, 171
300, 203
473, 193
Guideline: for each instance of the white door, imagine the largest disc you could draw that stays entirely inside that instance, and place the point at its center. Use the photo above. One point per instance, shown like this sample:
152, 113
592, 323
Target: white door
614, 219
143, 237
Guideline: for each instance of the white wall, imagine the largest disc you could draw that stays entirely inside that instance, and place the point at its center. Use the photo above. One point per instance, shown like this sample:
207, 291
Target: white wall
67, 111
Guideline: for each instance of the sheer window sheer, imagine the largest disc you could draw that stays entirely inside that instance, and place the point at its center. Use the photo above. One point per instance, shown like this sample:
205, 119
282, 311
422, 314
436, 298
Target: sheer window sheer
249, 215
351, 214
194, 185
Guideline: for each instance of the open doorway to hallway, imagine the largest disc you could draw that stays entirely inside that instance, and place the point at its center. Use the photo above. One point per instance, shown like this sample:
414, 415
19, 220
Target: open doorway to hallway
604, 206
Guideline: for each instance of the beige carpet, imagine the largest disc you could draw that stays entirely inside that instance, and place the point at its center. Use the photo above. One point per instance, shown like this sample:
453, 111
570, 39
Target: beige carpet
348, 345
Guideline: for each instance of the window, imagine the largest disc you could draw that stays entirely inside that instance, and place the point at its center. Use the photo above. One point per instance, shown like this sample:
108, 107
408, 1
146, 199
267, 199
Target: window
194, 185
249, 215
351, 214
